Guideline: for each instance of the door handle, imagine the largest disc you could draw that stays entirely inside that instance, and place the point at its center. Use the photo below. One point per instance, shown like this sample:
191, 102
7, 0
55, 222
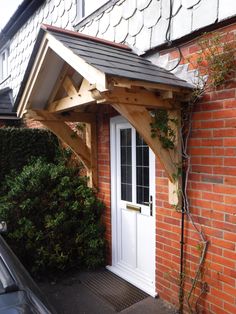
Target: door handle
133, 207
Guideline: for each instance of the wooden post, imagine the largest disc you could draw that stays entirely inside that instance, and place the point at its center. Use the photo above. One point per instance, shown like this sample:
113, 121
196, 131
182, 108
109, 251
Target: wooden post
91, 142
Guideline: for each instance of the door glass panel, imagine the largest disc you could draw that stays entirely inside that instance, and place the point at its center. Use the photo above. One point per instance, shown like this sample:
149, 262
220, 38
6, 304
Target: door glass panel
142, 170
126, 165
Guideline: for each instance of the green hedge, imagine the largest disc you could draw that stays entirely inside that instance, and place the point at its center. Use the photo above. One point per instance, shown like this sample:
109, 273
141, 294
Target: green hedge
54, 219
19, 145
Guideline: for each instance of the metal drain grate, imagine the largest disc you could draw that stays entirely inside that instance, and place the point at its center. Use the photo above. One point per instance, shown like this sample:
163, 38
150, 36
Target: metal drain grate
116, 291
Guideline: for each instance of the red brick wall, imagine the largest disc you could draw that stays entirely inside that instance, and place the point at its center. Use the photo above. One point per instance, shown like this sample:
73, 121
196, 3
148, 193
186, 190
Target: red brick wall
212, 195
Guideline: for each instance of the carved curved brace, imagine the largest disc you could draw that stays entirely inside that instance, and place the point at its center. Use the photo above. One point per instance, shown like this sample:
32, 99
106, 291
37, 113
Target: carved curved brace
65, 133
140, 118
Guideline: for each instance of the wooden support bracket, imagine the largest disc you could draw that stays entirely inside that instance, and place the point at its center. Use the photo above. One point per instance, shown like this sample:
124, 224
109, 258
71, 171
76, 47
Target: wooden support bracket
68, 136
71, 116
175, 197
140, 118
87, 152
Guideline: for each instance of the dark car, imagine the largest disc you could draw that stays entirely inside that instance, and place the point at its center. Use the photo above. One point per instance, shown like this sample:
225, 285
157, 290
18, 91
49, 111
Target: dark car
19, 294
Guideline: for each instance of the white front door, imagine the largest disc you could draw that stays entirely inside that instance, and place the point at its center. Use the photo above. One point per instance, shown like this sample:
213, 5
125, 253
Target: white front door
133, 210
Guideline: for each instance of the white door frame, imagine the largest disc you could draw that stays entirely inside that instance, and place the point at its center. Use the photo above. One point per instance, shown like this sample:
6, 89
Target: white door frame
113, 148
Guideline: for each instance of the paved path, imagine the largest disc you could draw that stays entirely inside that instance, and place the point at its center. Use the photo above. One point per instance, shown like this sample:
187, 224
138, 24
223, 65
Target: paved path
71, 296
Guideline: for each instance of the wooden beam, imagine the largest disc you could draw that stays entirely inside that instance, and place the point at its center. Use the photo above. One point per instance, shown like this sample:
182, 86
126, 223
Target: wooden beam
44, 115
83, 96
133, 97
68, 136
140, 118
128, 83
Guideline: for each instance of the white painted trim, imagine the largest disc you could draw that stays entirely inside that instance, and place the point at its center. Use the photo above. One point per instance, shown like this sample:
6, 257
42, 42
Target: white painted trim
134, 281
113, 160
24, 101
91, 74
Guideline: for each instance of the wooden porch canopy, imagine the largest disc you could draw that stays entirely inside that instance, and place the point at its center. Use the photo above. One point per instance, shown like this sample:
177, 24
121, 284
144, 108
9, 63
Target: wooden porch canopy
71, 76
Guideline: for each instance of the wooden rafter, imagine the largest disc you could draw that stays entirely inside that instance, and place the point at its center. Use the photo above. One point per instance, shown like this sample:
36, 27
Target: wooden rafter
140, 118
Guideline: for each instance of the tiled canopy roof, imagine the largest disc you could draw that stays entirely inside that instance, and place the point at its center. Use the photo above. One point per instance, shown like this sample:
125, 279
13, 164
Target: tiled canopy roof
86, 54
114, 59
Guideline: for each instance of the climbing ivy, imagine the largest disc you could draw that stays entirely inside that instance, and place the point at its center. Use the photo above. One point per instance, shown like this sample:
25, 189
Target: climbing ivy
160, 127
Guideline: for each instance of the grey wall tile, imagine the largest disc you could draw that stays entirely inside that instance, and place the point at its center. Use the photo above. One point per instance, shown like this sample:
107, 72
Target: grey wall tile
129, 8
226, 8
181, 23
152, 13
143, 4
136, 23
121, 31
205, 13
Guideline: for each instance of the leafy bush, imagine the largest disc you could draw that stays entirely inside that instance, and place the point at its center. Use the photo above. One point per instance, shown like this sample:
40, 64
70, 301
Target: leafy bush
54, 219
19, 145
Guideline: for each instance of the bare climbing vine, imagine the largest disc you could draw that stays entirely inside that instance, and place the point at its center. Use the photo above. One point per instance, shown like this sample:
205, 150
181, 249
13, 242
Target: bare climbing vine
214, 64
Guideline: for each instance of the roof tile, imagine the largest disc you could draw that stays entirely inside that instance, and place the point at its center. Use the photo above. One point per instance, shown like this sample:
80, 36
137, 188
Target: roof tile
121, 31
116, 60
189, 3
136, 23
129, 8
159, 32
116, 15
225, 8
143, 4
200, 18
151, 19
181, 24
6, 101
143, 39
104, 23
176, 7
